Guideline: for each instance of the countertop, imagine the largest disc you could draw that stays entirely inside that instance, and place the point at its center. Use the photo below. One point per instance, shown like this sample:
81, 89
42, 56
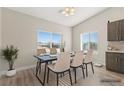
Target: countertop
116, 51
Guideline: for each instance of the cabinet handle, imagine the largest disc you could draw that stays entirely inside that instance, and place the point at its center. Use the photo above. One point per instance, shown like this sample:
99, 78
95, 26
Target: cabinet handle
118, 36
116, 59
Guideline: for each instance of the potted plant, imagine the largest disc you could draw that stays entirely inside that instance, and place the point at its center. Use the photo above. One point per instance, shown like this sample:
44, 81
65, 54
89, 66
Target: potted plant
10, 53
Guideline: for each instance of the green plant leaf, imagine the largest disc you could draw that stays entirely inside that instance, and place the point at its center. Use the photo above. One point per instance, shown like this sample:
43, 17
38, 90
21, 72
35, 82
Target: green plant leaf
10, 53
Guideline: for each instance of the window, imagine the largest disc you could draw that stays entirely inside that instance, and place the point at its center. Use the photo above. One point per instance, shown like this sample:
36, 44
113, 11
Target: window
89, 41
44, 39
56, 40
49, 40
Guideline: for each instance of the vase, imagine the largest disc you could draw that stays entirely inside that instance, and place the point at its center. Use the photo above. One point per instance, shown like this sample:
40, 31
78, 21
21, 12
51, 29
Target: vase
11, 73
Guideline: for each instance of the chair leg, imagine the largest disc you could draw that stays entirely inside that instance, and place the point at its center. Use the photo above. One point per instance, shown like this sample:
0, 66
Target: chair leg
92, 67
83, 71
70, 76
50, 62
63, 74
57, 79
48, 75
86, 70
75, 74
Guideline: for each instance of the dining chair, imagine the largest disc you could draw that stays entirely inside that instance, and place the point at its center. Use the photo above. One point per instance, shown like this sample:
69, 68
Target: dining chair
62, 65
77, 62
53, 51
39, 52
89, 60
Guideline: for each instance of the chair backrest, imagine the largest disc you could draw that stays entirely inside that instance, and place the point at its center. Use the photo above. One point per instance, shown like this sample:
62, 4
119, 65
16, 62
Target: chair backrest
89, 56
77, 59
63, 62
47, 50
58, 50
53, 51
41, 51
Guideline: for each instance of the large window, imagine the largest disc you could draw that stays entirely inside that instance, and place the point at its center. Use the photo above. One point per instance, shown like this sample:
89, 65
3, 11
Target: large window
49, 40
89, 41
56, 40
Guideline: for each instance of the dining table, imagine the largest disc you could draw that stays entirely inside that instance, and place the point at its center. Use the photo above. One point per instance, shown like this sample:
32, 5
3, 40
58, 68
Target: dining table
43, 59
46, 59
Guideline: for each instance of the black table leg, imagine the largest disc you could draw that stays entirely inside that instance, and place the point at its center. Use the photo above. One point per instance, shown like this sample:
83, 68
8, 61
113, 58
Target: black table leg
57, 79
45, 73
86, 70
36, 68
70, 76
75, 74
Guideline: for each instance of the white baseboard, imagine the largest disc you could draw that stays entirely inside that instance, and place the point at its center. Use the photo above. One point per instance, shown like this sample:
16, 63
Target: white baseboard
18, 69
26, 67
2, 73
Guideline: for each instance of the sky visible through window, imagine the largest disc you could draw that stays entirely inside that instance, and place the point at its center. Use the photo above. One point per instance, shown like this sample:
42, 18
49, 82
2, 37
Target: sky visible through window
85, 37
56, 38
45, 37
93, 37
89, 40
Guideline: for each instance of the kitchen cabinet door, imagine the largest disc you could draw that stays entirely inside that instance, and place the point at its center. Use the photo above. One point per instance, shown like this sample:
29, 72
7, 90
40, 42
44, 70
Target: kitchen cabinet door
121, 62
112, 61
113, 31
121, 30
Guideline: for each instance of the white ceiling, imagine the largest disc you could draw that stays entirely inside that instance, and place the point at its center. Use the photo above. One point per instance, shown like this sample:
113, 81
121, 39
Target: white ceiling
52, 14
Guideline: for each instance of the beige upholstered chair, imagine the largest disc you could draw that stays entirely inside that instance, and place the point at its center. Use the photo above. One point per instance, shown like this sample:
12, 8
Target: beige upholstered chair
53, 51
41, 51
62, 65
89, 60
77, 62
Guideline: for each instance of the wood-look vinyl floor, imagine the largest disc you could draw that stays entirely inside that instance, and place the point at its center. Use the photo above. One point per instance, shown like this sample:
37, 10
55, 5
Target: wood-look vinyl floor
28, 78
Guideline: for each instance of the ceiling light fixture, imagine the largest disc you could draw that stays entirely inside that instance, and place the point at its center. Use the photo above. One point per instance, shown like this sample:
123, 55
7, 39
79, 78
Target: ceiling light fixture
68, 11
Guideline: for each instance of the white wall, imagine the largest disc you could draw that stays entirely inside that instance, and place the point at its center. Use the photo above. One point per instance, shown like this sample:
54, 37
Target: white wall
0, 28
21, 30
98, 24
0, 37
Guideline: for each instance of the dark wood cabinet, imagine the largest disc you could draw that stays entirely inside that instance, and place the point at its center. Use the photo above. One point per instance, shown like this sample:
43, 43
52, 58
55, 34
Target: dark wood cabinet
115, 62
121, 62
115, 31
121, 30
111, 61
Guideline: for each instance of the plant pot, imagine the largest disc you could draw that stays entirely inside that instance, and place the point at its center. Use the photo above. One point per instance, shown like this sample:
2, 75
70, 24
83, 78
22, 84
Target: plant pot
11, 73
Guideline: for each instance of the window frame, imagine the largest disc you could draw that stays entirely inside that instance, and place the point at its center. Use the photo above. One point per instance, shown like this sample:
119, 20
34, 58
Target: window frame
51, 36
81, 40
